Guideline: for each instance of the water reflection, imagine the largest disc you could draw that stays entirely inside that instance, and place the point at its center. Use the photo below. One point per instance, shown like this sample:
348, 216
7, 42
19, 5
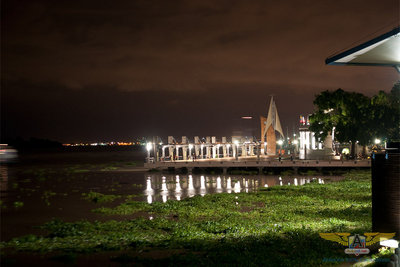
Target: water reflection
3, 177
162, 188
228, 185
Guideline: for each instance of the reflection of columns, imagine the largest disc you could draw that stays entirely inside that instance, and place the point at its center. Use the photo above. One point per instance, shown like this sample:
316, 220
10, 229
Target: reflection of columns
202, 186
237, 187
228, 185
177, 185
148, 185
164, 185
219, 187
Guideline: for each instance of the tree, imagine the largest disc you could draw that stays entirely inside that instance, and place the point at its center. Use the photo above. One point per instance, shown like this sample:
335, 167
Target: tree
347, 112
356, 117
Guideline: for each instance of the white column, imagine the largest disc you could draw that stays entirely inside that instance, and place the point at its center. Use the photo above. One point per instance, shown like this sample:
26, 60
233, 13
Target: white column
177, 152
214, 151
171, 152
244, 151
224, 151
208, 152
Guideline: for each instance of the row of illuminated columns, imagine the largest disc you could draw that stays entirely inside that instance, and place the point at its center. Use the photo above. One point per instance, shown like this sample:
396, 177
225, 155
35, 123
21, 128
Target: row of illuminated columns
206, 151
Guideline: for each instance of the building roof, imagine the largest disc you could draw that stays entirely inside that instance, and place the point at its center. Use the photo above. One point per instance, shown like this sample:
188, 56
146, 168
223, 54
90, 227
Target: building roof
383, 50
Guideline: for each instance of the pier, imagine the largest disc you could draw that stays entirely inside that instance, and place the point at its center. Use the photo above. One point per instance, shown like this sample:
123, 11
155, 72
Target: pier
255, 162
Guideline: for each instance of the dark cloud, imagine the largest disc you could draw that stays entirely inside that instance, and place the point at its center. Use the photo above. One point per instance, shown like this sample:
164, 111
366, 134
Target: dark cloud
162, 55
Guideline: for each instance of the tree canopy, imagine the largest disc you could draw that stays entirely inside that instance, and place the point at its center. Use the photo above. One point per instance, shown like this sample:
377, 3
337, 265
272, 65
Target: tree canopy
356, 117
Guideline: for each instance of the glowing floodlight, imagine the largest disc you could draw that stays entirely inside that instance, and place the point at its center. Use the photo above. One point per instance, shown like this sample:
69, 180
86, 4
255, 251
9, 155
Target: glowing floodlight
149, 146
377, 141
280, 142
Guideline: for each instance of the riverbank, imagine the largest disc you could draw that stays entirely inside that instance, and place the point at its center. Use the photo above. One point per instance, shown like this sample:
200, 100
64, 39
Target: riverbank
277, 226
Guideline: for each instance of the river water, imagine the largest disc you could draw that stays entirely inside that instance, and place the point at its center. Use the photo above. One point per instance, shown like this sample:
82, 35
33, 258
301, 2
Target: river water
41, 187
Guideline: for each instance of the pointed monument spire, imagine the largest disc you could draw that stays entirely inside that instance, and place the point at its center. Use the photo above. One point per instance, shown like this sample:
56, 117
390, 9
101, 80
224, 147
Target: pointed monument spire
273, 119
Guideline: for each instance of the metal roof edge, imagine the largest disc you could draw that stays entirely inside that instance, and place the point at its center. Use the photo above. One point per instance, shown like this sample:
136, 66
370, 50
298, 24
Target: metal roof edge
331, 60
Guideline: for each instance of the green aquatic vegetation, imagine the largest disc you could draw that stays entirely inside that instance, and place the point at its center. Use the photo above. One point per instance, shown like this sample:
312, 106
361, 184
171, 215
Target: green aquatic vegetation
47, 195
277, 226
109, 168
99, 197
126, 208
137, 185
18, 204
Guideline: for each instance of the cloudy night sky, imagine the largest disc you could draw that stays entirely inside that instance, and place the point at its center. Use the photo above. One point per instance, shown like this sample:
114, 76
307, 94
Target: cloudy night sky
113, 70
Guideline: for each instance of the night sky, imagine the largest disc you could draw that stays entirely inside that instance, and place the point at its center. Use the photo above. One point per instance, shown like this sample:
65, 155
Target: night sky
114, 70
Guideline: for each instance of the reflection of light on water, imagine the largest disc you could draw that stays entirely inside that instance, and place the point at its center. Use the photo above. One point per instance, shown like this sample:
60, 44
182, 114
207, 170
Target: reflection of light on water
320, 181
3, 178
149, 199
178, 197
190, 187
288, 183
202, 186
178, 185
237, 187
148, 185
219, 186
295, 181
164, 198
228, 185
164, 184
246, 184
202, 183
266, 185
191, 191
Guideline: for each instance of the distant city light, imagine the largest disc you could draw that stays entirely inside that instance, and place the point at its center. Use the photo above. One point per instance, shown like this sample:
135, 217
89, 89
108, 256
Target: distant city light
247, 117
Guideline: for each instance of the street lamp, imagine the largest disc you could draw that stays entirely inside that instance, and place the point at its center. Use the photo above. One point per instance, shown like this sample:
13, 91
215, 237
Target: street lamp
377, 141
148, 147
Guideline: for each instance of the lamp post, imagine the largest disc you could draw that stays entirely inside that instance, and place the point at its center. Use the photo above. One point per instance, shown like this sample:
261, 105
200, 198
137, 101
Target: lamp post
295, 142
148, 147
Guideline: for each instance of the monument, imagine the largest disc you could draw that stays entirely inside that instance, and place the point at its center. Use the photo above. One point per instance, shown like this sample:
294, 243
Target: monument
268, 127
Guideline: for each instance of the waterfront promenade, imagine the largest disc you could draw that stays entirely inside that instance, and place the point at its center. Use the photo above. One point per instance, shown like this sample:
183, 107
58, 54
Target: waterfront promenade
254, 162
